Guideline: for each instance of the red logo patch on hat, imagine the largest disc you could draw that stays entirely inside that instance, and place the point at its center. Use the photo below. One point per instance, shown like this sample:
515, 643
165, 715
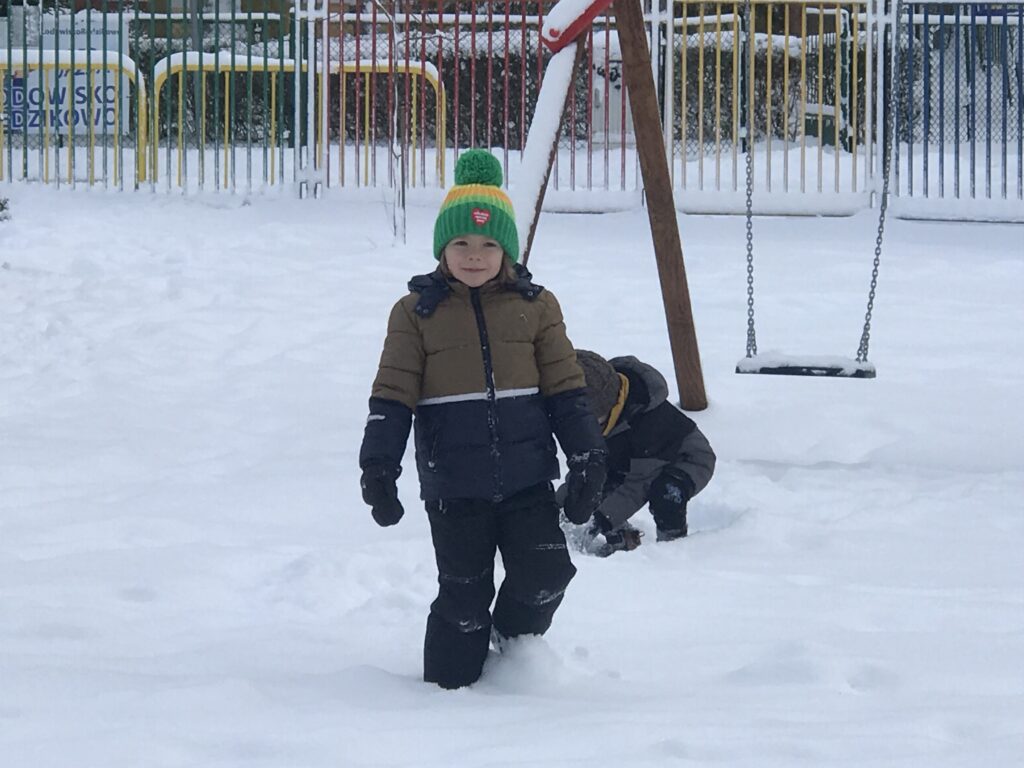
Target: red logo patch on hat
481, 216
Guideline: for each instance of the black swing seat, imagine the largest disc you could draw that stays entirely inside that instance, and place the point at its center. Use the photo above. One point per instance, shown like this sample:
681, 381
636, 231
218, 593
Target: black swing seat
806, 365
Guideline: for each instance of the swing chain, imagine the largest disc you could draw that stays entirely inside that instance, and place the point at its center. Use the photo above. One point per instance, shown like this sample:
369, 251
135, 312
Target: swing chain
865, 338
887, 139
751, 335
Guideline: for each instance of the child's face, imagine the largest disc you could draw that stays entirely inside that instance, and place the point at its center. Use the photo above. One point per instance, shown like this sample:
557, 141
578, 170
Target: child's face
473, 259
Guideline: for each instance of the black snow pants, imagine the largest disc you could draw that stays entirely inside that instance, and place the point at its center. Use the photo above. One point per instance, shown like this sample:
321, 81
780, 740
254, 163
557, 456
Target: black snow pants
466, 535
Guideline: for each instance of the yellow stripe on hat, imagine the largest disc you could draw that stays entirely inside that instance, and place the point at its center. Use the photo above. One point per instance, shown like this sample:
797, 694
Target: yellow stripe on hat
493, 196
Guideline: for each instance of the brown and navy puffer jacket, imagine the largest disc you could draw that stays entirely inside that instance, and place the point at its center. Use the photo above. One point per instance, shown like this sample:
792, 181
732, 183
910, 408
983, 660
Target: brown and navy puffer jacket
490, 375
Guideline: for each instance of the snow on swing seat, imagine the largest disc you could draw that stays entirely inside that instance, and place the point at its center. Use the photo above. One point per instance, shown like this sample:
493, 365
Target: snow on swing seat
779, 364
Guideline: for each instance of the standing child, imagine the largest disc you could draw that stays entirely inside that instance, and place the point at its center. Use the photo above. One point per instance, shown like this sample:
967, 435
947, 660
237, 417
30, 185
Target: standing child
479, 354
656, 454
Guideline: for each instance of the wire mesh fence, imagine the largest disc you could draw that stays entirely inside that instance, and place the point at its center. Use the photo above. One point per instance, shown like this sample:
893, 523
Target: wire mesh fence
959, 88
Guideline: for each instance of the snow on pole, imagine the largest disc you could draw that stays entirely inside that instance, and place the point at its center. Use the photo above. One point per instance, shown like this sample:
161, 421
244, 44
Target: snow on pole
564, 23
542, 143
567, 19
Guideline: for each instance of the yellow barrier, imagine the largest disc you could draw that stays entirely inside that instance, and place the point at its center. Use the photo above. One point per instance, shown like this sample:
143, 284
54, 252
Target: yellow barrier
228, 65
825, 105
120, 66
408, 68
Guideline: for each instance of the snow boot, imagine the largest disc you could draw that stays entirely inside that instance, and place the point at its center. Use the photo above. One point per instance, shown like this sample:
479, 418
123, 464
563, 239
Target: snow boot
452, 658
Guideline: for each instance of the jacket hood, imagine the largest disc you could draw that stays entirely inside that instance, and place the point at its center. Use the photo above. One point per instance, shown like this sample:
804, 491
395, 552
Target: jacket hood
647, 387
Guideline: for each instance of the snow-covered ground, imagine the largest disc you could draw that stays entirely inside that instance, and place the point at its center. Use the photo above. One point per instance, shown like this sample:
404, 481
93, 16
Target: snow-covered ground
188, 577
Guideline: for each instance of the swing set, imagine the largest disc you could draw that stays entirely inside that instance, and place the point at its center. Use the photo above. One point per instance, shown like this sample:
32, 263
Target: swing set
564, 25
857, 367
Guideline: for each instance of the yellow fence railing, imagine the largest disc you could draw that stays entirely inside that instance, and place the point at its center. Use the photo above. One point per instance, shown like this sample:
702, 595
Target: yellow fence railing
423, 69
51, 114
794, 84
228, 66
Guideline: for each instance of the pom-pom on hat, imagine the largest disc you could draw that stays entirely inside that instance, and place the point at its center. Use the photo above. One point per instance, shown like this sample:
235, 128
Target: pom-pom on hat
477, 205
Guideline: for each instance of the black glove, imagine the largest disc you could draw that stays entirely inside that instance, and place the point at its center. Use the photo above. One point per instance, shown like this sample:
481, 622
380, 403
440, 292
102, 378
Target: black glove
381, 493
560, 493
600, 525
584, 485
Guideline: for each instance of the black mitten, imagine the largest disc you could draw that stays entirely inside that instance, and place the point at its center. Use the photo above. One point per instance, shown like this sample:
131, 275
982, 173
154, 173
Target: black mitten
381, 493
584, 485
560, 493
601, 524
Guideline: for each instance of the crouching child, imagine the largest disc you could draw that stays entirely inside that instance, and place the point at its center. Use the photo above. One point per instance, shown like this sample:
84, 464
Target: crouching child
657, 456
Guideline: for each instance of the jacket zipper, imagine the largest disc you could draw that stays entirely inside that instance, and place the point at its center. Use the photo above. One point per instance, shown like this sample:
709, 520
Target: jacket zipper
492, 399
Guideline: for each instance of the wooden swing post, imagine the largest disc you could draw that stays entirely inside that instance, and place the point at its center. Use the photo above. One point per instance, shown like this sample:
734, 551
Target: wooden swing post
661, 209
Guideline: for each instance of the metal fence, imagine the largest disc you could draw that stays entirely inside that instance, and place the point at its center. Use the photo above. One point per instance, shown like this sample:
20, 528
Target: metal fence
797, 87
244, 95
959, 110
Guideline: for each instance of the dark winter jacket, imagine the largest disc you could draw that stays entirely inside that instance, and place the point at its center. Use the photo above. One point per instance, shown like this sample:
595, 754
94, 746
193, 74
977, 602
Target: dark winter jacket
651, 436
490, 375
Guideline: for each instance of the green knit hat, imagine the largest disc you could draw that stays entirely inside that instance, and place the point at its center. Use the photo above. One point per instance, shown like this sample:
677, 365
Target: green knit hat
477, 205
